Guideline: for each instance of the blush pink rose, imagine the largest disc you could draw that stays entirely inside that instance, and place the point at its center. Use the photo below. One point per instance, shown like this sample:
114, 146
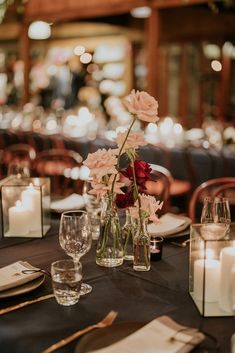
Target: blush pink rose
134, 140
102, 162
143, 105
149, 205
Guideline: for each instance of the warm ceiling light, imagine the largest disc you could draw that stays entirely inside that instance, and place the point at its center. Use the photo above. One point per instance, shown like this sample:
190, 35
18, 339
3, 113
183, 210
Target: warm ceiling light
85, 58
216, 65
39, 30
141, 12
79, 50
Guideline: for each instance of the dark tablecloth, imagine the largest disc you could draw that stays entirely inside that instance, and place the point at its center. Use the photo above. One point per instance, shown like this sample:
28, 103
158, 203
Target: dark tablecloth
136, 296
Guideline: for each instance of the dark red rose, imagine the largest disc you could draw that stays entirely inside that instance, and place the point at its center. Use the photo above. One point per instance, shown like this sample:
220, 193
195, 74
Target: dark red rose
142, 172
124, 200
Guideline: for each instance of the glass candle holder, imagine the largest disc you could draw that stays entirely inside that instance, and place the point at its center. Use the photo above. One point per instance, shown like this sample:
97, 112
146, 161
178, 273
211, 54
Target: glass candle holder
25, 207
156, 247
212, 268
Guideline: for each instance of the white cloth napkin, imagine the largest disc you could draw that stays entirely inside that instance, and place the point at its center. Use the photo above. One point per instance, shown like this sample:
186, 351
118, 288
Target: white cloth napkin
71, 202
160, 335
169, 224
11, 276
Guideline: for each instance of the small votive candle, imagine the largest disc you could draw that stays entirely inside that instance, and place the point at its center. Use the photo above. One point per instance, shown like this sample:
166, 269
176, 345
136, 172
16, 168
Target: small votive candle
156, 248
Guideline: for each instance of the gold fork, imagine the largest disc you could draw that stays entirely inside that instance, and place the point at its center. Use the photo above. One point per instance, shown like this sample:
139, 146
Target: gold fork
107, 321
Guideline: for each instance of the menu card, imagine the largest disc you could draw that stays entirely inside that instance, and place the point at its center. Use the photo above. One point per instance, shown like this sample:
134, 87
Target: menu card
160, 335
11, 276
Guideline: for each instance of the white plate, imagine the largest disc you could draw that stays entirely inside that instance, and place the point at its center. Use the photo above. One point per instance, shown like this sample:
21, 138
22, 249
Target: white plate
24, 288
170, 225
71, 202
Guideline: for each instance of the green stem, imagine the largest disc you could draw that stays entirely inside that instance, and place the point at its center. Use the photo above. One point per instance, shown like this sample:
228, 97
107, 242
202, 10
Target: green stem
137, 193
120, 152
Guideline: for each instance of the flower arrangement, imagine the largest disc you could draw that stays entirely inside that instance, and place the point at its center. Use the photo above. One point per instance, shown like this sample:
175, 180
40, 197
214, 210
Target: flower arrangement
126, 188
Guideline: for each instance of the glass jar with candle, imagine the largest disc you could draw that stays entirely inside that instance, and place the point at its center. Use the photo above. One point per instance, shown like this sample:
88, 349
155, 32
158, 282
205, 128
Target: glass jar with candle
212, 268
25, 207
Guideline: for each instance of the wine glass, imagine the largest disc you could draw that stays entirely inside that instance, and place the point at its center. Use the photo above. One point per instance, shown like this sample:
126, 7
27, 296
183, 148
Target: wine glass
216, 211
75, 238
93, 207
19, 168
207, 215
222, 210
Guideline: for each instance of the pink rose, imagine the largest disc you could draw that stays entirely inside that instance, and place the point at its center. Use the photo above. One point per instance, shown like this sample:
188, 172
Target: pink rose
134, 140
149, 207
101, 163
143, 105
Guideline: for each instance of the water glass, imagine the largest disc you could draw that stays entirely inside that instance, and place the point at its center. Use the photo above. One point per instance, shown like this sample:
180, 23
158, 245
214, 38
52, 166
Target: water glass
66, 281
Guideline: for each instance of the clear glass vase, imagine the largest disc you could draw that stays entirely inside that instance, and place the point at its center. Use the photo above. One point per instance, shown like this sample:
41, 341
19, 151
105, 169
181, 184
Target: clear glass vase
109, 252
141, 248
128, 232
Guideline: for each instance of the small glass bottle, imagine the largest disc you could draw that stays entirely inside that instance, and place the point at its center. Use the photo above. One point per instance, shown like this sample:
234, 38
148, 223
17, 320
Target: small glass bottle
141, 248
109, 251
128, 232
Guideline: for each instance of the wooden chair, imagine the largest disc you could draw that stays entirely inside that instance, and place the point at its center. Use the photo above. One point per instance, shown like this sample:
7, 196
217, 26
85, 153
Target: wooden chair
212, 187
160, 186
161, 155
17, 156
63, 167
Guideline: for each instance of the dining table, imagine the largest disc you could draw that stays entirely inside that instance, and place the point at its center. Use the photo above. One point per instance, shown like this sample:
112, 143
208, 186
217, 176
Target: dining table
137, 297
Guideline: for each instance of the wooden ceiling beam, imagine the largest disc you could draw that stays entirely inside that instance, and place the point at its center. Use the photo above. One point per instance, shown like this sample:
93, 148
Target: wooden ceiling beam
176, 3
73, 9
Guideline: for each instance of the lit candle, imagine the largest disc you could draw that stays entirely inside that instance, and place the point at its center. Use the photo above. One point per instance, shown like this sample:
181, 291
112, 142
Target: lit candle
18, 220
227, 275
210, 268
31, 199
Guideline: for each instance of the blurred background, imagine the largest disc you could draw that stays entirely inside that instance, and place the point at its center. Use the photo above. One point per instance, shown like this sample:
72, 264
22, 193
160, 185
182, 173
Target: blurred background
65, 67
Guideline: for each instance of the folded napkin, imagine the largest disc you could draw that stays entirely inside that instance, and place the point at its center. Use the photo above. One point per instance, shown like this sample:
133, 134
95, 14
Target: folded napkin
71, 202
11, 276
160, 335
169, 224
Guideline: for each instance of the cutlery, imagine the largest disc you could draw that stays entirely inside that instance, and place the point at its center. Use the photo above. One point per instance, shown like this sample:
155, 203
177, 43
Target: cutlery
182, 245
23, 304
107, 321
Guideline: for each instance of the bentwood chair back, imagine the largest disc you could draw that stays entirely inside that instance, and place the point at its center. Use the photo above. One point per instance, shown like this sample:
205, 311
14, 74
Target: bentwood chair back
212, 187
15, 156
63, 168
160, 185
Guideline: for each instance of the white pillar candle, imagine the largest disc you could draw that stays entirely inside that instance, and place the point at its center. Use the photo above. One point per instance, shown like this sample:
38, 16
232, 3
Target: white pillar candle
19, 220
227, 263
31, 199
212, 268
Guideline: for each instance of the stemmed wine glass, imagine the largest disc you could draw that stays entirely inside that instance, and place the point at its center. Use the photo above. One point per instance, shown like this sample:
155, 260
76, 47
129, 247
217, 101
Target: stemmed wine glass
222, 210
207, 215
75, 238
216, 210
93, 207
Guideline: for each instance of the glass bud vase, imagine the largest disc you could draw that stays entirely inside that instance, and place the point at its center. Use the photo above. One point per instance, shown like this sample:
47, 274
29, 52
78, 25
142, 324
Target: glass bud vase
141, 248
128, 232
109, 252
